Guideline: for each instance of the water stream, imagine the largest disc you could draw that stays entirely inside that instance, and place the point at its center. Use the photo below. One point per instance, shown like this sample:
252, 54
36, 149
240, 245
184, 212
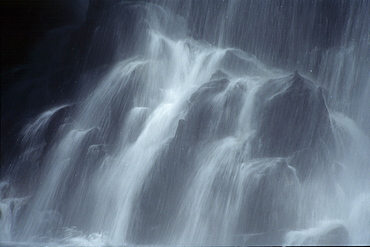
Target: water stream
216, 123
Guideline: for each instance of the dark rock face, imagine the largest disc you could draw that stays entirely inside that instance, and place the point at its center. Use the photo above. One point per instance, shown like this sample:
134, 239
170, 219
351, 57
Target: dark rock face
293, 122
76, 44
275, 180
213, 110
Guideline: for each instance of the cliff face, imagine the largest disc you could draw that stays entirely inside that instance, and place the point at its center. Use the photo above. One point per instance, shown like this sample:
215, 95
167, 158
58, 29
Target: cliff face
44, 51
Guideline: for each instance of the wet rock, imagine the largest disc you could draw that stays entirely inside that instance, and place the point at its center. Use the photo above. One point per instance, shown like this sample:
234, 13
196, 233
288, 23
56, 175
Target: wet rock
59, 118
219, 75
272, 184
326, 233
336, 236
214, 109
293, 122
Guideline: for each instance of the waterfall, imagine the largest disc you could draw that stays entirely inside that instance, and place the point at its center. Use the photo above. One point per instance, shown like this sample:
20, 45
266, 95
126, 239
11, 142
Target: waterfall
193, 123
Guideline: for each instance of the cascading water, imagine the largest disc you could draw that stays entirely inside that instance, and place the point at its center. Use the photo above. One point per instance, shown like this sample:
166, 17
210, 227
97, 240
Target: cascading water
183, 137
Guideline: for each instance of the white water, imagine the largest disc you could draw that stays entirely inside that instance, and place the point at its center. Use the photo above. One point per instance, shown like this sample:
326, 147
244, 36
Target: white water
85, 198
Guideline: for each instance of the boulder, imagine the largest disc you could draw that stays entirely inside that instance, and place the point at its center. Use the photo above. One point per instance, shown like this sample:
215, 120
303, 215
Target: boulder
272, 197
293, 121
337, 236
329, 233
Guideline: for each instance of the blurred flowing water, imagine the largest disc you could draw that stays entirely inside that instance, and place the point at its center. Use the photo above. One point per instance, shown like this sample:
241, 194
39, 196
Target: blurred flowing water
212, 123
